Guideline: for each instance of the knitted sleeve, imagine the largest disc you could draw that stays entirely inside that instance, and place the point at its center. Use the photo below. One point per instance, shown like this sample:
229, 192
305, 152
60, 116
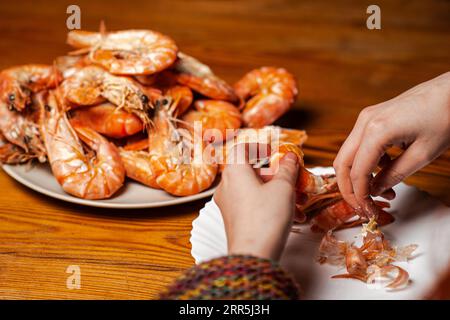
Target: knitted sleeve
233, 277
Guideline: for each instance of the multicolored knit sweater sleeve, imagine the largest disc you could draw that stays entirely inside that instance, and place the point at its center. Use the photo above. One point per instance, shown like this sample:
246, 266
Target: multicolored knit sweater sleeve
234, 277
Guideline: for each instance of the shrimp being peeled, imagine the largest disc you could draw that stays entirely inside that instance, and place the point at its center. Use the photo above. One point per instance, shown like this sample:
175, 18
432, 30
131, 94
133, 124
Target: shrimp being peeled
200, 78
93, 85
268, 93
127, 52
18, 83
369, 262
108, 120
97, 174
220, 117
319, 199
317, 196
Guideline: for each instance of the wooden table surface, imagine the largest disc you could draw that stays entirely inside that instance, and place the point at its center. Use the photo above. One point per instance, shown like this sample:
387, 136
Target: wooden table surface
341, 67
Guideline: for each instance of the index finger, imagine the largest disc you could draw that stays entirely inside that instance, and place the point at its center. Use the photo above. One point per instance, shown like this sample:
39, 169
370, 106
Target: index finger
344, 159
371, 149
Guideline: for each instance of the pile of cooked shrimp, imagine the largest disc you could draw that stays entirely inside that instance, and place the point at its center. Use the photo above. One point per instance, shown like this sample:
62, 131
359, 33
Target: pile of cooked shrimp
126, 104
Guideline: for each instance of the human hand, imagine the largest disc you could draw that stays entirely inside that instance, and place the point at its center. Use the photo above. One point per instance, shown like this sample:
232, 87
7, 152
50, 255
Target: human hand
417, 121
257, 211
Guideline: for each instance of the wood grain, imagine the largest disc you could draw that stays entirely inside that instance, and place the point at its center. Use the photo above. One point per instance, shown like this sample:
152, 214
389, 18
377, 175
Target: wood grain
341, 67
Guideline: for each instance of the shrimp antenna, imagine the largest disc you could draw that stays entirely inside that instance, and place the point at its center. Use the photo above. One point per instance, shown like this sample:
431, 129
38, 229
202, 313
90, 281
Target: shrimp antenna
181, 121
55, 73
102, 27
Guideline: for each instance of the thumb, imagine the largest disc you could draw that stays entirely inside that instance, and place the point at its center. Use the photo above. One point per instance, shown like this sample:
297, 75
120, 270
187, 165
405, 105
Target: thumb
288, 169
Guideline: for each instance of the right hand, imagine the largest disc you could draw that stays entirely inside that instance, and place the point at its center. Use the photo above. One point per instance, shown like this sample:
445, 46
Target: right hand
417, 121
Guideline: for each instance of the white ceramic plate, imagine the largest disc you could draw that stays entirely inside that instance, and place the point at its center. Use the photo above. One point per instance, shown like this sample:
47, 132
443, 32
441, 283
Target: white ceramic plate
132, 195
420, 219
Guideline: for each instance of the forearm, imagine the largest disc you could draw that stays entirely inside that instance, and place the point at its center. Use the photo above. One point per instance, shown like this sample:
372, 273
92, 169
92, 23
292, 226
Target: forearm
234, 277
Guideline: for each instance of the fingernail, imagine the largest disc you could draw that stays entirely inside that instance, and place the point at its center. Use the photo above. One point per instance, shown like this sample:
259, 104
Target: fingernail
290, 156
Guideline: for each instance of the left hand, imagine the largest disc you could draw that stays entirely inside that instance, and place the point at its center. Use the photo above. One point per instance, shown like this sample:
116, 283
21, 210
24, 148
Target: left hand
257, 214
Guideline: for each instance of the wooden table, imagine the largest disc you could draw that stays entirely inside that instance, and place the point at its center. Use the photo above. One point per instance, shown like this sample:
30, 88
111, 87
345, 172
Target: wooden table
341, 67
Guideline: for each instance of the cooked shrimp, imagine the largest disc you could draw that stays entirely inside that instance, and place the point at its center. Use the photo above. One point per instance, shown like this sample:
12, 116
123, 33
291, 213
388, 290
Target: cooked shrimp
128, 52
269, 92
108, 120
79, 173
84, 87
92, 85
163, 79
18, 83
142, 166
20, 130
13, 154
68, 65
182, 96
171, 162
200, 78
214, 115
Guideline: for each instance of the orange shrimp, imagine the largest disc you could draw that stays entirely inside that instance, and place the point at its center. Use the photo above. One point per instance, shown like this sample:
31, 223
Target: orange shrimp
200, 78
269, 92
214, 115
127, 52
20, 132
93, 85
183, 97
108, 120
142, 166
170, 163
79, 174
18, 83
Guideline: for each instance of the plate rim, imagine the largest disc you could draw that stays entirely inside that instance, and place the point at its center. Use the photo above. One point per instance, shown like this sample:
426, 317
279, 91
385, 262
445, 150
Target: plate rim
101, 203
